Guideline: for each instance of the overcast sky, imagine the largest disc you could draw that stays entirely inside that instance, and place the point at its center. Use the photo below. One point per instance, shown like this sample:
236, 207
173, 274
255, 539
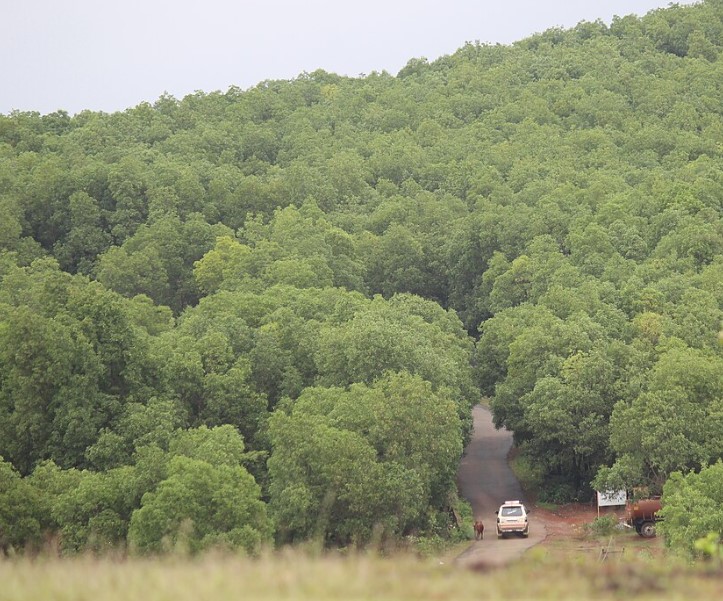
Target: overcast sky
109, 55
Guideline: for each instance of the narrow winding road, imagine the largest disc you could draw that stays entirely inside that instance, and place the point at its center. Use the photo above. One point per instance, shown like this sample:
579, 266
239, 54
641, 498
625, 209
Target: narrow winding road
486, 481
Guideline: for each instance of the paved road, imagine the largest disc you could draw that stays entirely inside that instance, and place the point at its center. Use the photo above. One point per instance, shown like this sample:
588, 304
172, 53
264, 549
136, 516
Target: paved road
486, 481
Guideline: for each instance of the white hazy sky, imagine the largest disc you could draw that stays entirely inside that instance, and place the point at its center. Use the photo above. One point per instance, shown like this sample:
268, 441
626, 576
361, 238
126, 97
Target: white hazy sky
109, 55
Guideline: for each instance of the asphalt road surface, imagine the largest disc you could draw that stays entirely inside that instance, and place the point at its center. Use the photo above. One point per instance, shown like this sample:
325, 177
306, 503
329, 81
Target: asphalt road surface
484, 478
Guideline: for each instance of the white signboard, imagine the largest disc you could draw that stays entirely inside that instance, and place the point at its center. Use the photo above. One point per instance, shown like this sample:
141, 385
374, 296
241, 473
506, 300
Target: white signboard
611, 498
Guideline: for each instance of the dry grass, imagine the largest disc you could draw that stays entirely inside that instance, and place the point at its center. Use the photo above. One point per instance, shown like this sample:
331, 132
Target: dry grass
297, 576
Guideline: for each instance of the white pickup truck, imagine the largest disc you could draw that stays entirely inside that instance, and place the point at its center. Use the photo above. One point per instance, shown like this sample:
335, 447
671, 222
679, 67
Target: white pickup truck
512, 518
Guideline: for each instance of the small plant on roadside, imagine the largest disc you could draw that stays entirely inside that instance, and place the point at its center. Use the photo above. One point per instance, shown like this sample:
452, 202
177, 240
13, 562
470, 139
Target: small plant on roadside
603, 526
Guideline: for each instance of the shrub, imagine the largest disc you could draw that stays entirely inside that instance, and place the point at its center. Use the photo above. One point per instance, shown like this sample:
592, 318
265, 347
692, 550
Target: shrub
603, 526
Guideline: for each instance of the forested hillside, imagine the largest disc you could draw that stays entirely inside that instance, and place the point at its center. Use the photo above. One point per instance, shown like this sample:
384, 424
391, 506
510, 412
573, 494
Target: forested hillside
264, 315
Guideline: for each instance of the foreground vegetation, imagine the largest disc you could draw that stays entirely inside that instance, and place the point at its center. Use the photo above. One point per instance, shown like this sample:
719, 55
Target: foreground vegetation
300, 577
262, 317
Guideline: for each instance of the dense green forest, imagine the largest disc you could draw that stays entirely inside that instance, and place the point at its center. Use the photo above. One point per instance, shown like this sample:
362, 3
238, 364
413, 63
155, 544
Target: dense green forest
264, 315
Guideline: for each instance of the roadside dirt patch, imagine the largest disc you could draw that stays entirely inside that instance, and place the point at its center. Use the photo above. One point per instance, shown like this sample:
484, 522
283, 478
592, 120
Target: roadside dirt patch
569, 534
567, 521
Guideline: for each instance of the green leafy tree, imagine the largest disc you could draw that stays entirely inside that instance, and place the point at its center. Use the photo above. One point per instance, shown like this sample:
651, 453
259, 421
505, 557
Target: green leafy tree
569, 414
70, 358
158, 260
692, 505
207, 499
11, 228
93, 515
675, 423
139, 425
51, 403
20, 510
370, 457
86, 238
390, 336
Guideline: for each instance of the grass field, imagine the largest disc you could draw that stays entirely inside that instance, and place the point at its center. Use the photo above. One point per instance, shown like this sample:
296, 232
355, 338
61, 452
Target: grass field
297, 576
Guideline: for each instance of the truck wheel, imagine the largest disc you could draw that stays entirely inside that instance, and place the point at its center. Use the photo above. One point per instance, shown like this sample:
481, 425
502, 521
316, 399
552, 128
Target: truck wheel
647, 530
